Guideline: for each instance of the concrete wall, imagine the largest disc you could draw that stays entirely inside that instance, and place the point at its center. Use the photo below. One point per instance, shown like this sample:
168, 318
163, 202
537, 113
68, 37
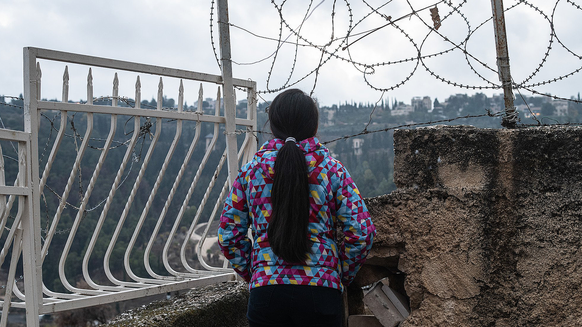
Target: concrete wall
485, 228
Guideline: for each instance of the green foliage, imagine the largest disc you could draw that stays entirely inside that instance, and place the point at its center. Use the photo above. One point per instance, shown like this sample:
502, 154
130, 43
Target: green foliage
548, 109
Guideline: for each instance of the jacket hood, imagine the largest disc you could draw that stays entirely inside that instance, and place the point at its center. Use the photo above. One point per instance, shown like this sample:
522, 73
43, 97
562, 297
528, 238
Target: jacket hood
314, 153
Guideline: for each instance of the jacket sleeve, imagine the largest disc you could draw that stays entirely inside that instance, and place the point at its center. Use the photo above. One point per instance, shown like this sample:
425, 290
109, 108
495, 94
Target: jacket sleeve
233, 229
357, 226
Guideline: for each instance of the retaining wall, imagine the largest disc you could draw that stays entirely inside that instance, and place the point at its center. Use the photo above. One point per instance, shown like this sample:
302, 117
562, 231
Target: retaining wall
485, 228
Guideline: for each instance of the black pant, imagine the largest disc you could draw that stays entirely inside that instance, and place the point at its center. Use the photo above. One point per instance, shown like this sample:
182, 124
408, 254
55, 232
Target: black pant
295, 305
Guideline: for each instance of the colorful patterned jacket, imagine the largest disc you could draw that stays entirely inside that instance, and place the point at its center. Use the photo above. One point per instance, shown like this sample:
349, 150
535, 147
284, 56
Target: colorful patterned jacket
335, 201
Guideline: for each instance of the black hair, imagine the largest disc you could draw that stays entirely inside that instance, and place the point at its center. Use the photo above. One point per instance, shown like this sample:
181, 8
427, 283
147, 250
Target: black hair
291, 114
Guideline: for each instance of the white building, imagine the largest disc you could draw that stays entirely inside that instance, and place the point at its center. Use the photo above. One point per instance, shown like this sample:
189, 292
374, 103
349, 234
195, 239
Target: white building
561, 107
357, 144
425, 102
328, 114
530, 111
402, 109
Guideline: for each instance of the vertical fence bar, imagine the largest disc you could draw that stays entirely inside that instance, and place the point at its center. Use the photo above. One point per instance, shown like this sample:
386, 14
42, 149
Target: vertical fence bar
31, 222
7, 294
134, 190
252, 115
229, 105
2, 197
510, 117
11, 276
38, 80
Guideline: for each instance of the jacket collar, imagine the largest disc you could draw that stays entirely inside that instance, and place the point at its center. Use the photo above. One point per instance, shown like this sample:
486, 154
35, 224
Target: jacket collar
307, 145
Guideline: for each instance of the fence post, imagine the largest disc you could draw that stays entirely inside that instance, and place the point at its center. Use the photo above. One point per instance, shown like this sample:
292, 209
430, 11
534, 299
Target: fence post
229, 105
511, 115
31, 242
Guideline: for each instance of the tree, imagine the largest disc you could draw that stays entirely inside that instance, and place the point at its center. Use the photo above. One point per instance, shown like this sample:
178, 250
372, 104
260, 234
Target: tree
169, 103
153, 103
548, 109
476, 104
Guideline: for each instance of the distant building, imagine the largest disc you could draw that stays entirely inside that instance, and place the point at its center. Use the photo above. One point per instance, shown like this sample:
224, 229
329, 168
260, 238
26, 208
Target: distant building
357, 145
328, 114
561, 107
207, 105
424, 102
402, 109
530, 111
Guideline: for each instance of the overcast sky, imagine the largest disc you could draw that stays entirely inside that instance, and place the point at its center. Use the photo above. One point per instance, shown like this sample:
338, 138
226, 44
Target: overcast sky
176, 33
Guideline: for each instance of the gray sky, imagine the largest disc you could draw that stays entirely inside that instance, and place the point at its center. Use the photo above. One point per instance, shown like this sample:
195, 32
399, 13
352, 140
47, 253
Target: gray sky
176, 33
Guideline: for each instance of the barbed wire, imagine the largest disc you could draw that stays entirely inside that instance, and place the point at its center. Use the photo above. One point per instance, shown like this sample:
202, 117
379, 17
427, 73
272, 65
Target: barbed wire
366, 131
373, 110
328, 51
21, 278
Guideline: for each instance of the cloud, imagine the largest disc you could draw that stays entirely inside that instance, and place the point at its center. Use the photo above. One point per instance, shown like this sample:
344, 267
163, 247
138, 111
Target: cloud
176, 33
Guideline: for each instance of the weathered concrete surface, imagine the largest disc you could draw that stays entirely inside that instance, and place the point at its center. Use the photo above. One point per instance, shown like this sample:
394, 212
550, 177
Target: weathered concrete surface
217, 305
486, 226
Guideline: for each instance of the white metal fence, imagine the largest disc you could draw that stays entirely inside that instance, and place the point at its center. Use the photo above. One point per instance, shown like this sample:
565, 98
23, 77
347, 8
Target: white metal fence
114, 214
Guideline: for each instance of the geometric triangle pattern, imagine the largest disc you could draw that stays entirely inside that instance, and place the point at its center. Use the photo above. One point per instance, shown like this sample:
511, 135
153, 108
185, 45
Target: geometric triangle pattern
334, 202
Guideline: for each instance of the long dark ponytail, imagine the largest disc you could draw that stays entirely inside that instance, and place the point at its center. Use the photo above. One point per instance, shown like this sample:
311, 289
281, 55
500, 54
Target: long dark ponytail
291, 114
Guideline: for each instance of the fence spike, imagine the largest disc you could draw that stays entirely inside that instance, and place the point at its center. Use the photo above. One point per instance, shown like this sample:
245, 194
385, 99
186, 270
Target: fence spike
38, 80
90, 87
200, 99
115, 99
160, 94
137, 93
66, 85
181, 97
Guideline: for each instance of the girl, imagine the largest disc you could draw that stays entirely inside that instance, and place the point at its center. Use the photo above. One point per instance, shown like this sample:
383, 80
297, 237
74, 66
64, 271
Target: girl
293, 195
